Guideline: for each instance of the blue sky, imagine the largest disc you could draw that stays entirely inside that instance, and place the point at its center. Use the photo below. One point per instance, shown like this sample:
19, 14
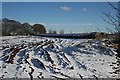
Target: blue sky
70, 16
59, 0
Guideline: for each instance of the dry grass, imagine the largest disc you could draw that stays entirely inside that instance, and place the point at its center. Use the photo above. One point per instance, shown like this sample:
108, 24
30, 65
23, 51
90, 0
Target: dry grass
118, 42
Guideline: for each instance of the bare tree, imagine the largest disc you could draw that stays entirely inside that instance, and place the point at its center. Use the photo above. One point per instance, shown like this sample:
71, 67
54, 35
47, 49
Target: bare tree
61, 31
54, 32
50, 31
114, 20
111, 19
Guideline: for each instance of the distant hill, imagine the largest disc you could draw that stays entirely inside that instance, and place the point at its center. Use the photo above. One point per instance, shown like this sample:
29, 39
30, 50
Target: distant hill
13, 27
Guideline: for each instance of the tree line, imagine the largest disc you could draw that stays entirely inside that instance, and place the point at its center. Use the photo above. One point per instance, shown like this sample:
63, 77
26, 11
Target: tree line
13, 28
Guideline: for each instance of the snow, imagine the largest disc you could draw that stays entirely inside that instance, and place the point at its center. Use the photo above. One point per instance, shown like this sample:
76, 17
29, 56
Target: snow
55, 57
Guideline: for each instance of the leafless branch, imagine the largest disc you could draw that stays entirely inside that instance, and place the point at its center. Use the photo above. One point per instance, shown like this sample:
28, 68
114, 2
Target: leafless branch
118, 16
113, 6
112, 20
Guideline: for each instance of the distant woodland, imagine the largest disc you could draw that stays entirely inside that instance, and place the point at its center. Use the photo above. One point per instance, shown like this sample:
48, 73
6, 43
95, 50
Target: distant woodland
13, 28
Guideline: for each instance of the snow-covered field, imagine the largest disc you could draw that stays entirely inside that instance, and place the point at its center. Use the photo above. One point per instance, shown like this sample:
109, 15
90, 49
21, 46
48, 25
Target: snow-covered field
38, 57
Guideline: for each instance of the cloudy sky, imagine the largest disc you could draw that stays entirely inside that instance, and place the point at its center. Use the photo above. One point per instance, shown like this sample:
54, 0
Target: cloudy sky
70, 16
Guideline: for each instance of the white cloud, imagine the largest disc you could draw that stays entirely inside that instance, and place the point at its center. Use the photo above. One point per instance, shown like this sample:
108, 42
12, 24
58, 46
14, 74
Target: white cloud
65, 8
84, 9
